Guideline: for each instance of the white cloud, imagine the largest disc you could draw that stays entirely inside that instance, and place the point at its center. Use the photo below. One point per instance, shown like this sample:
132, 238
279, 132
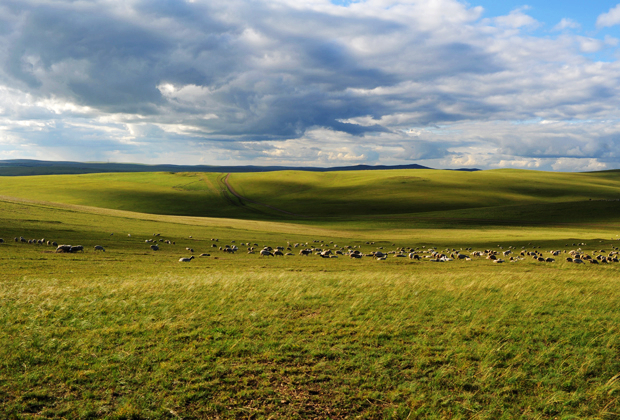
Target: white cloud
590, 45
566, 23
517, 19
610, 18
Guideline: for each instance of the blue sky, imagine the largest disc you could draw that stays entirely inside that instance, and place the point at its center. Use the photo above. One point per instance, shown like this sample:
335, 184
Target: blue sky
442, 83
550, 12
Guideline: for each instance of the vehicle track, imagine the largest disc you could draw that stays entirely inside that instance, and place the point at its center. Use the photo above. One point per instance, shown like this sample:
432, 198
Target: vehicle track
249, 200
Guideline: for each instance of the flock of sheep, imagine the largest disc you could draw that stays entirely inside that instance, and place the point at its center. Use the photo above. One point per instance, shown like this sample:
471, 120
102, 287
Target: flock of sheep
331, 250
59, 248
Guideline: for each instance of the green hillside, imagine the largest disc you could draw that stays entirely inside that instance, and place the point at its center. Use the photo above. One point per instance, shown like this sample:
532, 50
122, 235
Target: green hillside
423, 198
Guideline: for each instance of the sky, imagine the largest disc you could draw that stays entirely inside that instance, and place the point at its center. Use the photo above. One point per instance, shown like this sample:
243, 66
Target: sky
441, 83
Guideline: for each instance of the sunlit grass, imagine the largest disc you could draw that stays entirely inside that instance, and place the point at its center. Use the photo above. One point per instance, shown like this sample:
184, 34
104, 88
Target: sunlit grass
133, 333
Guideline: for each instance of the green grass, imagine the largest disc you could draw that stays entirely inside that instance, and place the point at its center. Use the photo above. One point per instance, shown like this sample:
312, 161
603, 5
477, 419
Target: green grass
132, 333
507, 196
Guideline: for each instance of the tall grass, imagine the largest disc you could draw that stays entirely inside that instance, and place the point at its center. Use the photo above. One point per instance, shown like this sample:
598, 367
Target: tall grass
287, 344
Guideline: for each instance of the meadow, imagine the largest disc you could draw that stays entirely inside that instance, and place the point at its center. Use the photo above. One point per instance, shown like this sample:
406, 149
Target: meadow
132, 333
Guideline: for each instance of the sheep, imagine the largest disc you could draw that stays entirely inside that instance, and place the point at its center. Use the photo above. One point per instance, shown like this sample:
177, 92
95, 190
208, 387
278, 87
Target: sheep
265, 253
186, 259
99, 248
205, 255
1, 241
63, 249
155, 247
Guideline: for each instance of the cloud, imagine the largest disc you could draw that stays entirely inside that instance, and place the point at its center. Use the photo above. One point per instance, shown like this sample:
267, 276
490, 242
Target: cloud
611, 18
566, 23
517, 19
289, 82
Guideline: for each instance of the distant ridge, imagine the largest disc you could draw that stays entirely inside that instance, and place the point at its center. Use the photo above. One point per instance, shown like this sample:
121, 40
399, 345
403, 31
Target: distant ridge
23, 167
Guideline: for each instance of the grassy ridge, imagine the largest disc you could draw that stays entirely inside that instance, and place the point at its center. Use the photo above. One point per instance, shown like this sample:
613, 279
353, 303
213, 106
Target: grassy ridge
340, 196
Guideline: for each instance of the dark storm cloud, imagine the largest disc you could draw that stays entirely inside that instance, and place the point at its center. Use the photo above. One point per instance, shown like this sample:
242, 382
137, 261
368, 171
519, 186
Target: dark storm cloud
102, 58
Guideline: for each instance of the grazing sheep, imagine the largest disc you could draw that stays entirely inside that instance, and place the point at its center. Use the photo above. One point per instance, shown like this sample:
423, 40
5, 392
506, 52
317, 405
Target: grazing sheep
99, 248
54, 243
155, 247
205, 255
278, 253
1, 241
265, 253
63, 249
186, 259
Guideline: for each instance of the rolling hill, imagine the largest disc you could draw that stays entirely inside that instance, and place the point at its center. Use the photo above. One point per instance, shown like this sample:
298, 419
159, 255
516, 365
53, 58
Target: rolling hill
419, 197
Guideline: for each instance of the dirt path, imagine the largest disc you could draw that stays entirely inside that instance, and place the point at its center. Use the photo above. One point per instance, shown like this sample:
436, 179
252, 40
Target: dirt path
249, 200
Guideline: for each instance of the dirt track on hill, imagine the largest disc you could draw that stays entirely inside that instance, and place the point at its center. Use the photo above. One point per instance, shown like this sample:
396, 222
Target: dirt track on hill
249, 200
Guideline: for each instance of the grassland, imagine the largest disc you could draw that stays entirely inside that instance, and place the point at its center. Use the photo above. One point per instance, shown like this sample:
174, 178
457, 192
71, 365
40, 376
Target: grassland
502, 196
133, 333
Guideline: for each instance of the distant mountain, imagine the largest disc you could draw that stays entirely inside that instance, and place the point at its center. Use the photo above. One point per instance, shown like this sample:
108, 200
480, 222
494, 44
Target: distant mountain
22, 167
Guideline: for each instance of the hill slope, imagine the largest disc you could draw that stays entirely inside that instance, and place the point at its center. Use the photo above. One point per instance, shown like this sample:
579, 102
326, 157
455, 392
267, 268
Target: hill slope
403, 197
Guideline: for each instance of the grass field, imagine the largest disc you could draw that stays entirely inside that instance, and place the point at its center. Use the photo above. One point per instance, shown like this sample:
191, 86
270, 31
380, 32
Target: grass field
132, 333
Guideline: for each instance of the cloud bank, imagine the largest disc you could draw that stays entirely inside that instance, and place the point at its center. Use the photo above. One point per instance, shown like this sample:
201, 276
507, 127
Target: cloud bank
304, 83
